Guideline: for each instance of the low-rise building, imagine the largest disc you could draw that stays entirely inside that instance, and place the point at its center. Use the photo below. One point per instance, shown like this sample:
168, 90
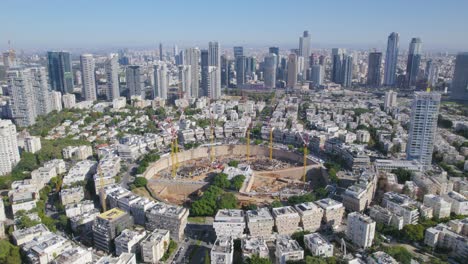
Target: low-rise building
72, 195
360, 229
80, 172
222, 251
44, 249
260, 223
75, 255
380, 257
440, 207
311, 216
32, 144
288, 249
254, 246
155, 245
443, 237
124, 258
385, 217
333, 212
459, 202
286, 220
318, 246
229, 222
25, 235
403, 206
77, 152
128, 241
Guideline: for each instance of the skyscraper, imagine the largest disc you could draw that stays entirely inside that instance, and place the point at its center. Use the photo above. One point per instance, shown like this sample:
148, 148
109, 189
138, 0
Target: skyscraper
160, 81
238, 51
185, 81
214, 59
317, 74
112, 76
292, 70
225, 64
192, 58
269, 74
391, 59
374, 69
423, 127
9, 59
9, 153
414, 59
241, 65
60, 71
274, 50
161, 55
22, 97
204, 62
459, 87
304, 51
337, 63
135, 81
88, 77
347, 71
41, 90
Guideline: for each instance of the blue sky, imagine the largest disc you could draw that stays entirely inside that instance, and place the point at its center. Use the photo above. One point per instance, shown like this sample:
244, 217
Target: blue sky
116, 23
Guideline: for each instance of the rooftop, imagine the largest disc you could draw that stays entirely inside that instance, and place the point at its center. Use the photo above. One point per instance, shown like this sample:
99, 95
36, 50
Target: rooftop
112, 214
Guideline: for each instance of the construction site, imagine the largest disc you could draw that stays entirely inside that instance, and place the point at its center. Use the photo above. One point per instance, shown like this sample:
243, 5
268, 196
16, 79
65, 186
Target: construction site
275, 172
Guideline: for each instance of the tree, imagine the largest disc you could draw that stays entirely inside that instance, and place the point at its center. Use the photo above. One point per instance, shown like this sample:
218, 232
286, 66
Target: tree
276, 204
237, 181
140, 182
221, 181
9, 254
227, 201
255, 259
401, 254
297, 199
413, 233
233, 163
402, 175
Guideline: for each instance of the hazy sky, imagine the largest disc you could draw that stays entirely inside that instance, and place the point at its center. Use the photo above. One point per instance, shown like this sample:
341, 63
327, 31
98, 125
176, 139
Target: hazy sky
346, 23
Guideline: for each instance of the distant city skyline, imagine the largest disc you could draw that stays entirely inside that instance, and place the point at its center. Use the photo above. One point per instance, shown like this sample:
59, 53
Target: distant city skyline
97, 25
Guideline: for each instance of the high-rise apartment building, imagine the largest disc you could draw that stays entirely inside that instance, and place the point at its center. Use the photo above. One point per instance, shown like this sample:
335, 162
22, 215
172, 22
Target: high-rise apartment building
241, 65
41, 90
160, 81
292, 70
391, 59
414, 59
9, 152
185, 81
390, 100
423, 127
192, 58
304, 50
89, 92
374, 69
135, 81
161, 55
269, 74
22, 103
459, 87
60, 71
112, 76
238, 51
317, 74
214, 59
337, 64
347, 71
108, 226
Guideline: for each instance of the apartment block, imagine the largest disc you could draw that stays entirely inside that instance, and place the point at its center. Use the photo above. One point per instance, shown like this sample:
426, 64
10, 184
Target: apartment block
254, 246
311, 216
288, 249
360, 229
107, 227
72, 195
440, 207
318, 245
260, 223
128, 241
286, 220
333, 212
169, 217
155, 245
229, 222
222, 251
459, 202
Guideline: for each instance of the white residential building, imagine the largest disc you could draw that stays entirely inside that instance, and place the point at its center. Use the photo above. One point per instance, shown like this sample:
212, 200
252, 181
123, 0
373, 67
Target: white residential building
360, 229
311, 216
69, 101
254, 246
459, 202
288, 249
333, 212
229, 222
128, 241
441, 208
32, 144
9, 153
318, 246
88, 76
286, 219
155, 245
222, 251
260, 223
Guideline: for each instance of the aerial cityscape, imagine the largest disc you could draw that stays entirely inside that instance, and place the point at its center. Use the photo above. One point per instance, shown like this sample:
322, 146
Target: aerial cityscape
232, 135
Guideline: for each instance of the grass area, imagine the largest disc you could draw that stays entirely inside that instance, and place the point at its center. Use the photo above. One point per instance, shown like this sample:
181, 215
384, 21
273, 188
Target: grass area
196, 219
141, 191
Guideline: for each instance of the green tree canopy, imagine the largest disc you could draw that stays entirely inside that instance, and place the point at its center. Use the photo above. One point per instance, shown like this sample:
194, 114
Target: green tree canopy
140, 182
